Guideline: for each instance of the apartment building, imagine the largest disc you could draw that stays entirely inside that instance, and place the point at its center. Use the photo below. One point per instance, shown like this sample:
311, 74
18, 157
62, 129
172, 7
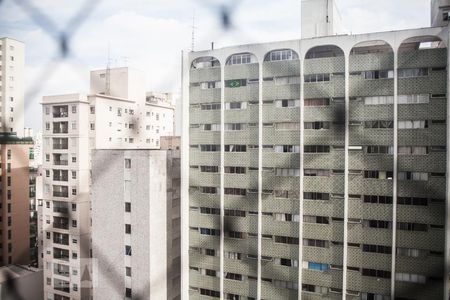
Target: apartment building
12, 65
115, 115
14, 201
140, 191
317, 168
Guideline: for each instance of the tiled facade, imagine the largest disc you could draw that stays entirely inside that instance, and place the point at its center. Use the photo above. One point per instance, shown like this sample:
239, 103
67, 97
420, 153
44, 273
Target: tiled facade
317, 165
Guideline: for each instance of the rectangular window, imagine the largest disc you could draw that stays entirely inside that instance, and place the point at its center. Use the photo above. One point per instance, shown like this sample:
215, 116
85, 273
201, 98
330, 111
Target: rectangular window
378, 74
317, 125
414, 99
379, 100
235, 105
235, 148
287, 103
317, 102
234, 126
413, 124
414, 72
287, 126
317, 78
210, 106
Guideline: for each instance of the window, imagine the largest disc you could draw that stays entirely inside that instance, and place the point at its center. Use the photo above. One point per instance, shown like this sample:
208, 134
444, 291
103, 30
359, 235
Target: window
317, 77
317, 125
235, 148
235, 191
416, 278
208, 190
211, 127
128, 293
377, 199
128, 250
235, 170
317, 102
287, 217
379, 100
235, 105
287, 126
413, 150
412, 201
411, 252
234, 213
127, 163
413, 176
92, 125
127, 229
209, 148
383, 74
315, 266
316, 196
287, 103
234, 126
210, 293
378, 174
315, 243
412, 226
209, 211
238, 59
316, 219
287, 149
209, 231
377, 249
316, 149
210, 85
379, 150
74, 109
287, 80
127, 207
378, 124
210, 106
233, 276
414, 99
415, 72
285, 172
286, 240
413, 124
278, 55
209, 169
377, 224
376, 273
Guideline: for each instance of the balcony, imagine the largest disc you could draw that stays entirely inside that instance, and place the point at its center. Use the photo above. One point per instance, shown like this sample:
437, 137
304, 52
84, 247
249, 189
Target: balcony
62, 239
61, 146
60, 223
60, 176
61, 285
60, 191
60, 159
61, 270
60, 111
61, 254
60, 127
60, 207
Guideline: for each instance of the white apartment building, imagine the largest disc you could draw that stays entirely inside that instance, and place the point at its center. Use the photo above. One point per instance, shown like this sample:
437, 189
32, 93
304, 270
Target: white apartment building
137, 194
114, 116
12, 64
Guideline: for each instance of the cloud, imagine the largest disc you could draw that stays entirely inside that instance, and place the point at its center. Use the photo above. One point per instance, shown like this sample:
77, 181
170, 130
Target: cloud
151, 34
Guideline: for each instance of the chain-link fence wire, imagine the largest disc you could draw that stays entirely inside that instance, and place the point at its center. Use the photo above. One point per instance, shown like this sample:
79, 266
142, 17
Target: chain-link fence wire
223, 12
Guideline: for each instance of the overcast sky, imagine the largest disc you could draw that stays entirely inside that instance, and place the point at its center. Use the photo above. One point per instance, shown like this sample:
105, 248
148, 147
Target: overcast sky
150, 34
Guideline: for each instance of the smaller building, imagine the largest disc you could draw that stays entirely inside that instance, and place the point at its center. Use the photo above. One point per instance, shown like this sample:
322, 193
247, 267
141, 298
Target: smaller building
170, 142
21, 282
136, 224
15, 199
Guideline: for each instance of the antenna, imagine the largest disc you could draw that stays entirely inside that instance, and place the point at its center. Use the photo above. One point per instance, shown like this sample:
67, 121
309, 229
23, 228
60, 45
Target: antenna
108, 74
193, 32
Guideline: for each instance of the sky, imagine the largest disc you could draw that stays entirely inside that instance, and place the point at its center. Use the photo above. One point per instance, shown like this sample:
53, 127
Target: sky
150, 35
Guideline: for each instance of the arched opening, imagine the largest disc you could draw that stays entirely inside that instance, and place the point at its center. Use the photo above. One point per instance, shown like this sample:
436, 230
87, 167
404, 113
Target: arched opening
242, 59
324, 51
281, 54
205, 62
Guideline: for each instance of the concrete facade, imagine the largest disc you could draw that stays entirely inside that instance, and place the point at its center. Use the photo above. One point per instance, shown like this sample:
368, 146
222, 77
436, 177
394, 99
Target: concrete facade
137, 193
27, 283
317, 168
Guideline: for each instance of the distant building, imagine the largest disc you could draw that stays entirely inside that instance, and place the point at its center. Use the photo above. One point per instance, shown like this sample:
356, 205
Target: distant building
26, 283
115, 115
12, 89
136, 224
440, 12
170, 142
15, 199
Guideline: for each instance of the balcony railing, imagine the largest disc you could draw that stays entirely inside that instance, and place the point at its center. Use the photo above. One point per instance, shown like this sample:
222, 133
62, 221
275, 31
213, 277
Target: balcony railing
62, 146
63, 129
61, 255
60, 162
61, 270
63, 210
60, 178
64, 194
61, 225
61, 240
